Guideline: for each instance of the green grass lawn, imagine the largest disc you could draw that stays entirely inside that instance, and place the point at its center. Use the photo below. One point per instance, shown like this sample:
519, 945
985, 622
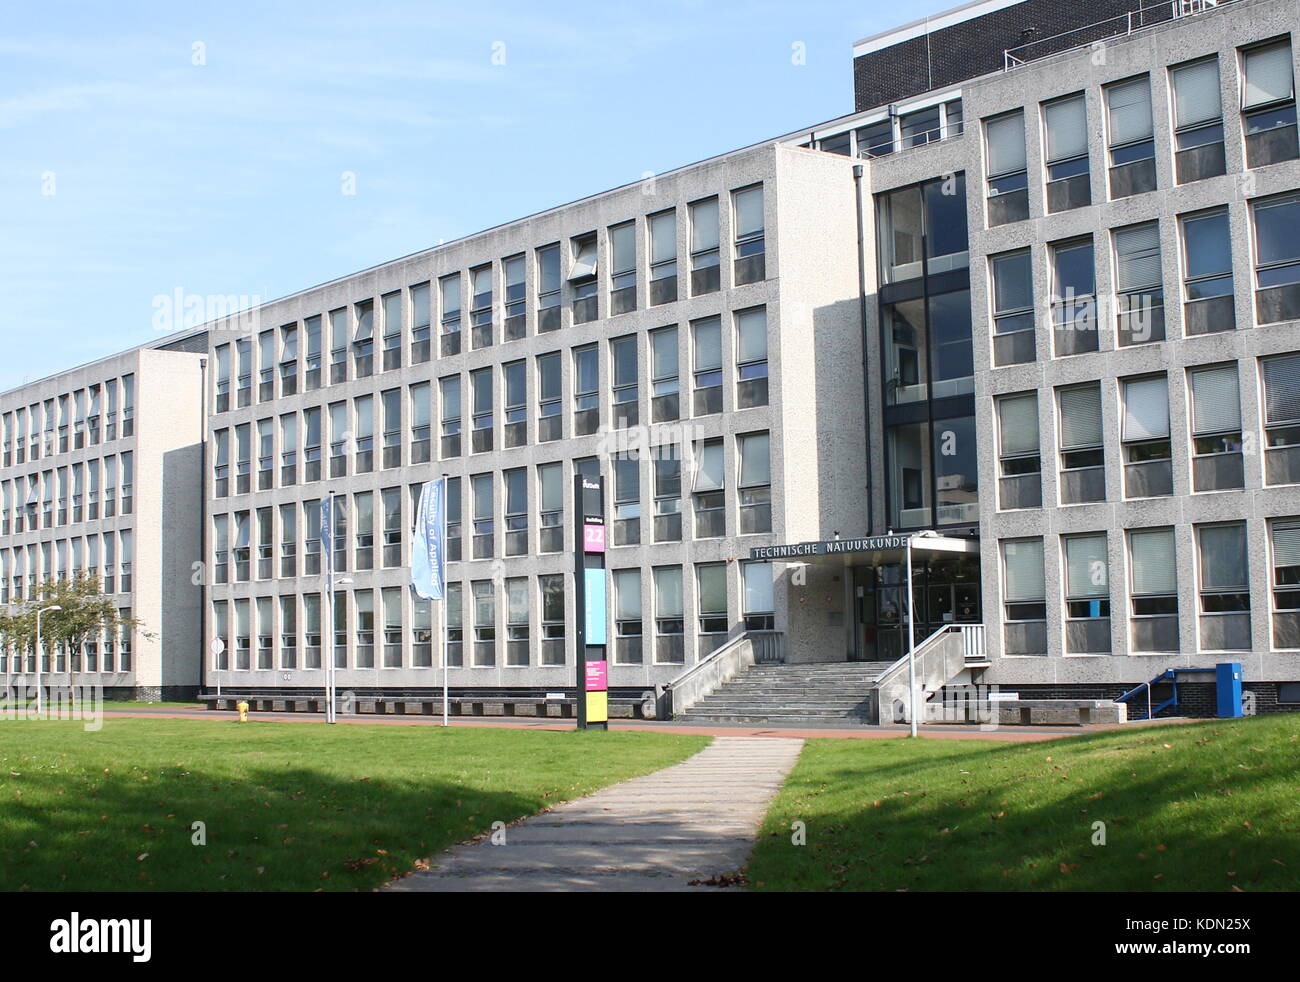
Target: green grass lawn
1204, 807
287, 806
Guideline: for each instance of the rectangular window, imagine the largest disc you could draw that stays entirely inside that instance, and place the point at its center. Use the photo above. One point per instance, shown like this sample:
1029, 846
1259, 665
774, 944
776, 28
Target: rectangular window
220, 465
244, 359
516, 482
338, 346
453, 519
288, 541
583, 278
1153, 575
1065, 122
311, 543
1277, 258
670, 646
289, 360
755, 483
1268, 103
516, 298
311, 446
1198, 121
708, 489
515, 378
484, 516
364, 437
391, 405
1284, 537
455, 614
876, 139
1145, 434
627, 617
921, 127
266, 366
449, 328
363, 340
1013, 308
1224, 575
1139, 284
711, 603
393, 336
480, 383
1282, 419
751, 358
1074, 304
265, 454
222, 375
664, 398
313, 380
586, 390
1007, 167
243, 636
243, 459
339, 546
340, 436
626, 393
1024, 597
748, 222
1087, 594
707, 337
550, 484
627, 500
667, 465
485, 623
550, 405
1207, 273
622, 273
1131, 137
548, 289
1083, 475
1217, 463
480, 311
365, 636
705, 253
551, 587
420, 321
759, 603
663, 257
391, 598
364, 510
243, 547
1020, 466
517, 634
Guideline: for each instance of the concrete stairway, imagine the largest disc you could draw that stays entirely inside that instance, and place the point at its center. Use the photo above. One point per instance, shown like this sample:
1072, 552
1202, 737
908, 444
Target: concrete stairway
791, 695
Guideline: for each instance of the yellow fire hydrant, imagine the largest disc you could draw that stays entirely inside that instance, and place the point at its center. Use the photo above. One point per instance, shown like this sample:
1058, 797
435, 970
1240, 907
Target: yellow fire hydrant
242, 706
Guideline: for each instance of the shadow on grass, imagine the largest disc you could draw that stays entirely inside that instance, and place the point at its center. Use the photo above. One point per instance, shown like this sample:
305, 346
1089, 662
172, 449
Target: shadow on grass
1205, 807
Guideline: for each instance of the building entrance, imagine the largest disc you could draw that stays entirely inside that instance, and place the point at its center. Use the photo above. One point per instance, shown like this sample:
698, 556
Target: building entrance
945, 590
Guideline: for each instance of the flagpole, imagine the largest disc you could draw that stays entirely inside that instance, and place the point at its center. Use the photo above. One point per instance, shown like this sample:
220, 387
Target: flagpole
443, 556
328, 558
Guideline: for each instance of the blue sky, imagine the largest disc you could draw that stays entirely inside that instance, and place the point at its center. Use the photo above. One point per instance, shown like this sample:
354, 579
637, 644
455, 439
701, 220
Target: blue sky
127, 171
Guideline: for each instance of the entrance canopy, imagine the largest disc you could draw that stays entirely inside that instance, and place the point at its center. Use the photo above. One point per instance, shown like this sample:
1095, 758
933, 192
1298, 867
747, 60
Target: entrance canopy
875, 550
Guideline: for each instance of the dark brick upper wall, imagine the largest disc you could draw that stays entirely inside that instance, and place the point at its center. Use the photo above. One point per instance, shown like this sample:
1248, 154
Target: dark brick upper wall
975, 47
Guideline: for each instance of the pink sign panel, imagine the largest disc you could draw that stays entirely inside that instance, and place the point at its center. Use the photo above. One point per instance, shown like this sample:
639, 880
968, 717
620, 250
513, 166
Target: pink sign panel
593, 538
597, 676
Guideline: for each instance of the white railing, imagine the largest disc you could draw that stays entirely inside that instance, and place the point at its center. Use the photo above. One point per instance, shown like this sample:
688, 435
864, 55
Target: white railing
974, 643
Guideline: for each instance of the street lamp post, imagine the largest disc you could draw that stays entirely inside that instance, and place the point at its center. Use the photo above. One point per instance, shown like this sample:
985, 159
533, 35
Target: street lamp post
40, 699
331, 716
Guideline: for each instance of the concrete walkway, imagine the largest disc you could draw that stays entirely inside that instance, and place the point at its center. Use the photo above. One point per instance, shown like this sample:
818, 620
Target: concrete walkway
692, 822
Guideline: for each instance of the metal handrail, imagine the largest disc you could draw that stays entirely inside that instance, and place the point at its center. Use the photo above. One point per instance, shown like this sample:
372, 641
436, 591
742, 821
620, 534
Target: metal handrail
721, 649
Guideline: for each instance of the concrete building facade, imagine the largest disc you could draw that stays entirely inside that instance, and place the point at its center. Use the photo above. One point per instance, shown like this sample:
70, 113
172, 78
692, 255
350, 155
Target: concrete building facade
101, 475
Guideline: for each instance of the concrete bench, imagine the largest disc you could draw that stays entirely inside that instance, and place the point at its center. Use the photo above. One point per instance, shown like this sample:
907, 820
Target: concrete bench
1059, 712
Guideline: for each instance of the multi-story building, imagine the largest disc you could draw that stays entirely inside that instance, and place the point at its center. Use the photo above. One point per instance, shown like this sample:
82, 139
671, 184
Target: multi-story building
101, 475
1084, 346
694, 338
1027, 316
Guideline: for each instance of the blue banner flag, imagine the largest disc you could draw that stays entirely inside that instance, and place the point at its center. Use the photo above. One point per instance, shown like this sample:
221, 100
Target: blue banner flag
428, 567
327, 536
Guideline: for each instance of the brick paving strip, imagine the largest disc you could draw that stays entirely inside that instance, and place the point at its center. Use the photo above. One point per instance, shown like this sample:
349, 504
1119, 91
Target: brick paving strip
694, 821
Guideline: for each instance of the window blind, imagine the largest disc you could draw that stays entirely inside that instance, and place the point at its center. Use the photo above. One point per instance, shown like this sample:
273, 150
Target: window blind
1022, 562
713, 589
1129, 105
1286, 542
709, 467
749, 212
1196, 93
1282, 390
627, 594
755, 462
1005, 139
1137, 255
1269, 74
708, 346
1080, 417
751, 329
1216, 402
1146, 409
1152, 552
1018, 416
1067, 128
1086, 566
704, 225
663, 237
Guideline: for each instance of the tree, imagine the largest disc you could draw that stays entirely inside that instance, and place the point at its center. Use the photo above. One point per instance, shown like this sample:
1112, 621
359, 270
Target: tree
87, 614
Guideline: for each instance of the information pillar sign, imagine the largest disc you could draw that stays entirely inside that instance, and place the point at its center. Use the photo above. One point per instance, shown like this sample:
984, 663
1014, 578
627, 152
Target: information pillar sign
592, 602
